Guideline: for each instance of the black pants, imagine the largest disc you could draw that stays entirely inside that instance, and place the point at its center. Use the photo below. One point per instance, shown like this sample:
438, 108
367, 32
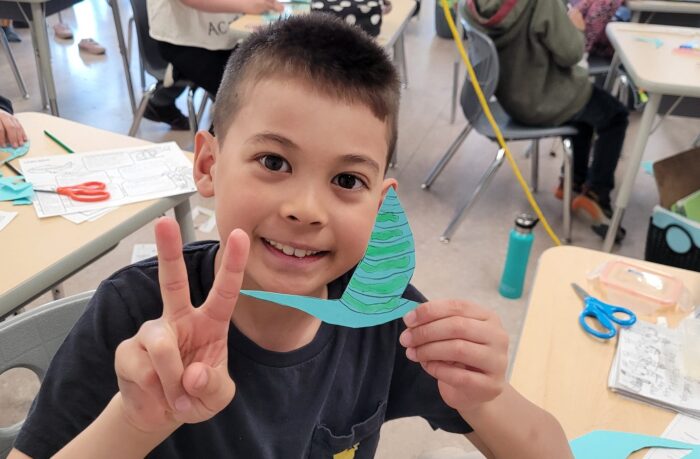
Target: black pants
201, 66
607, 117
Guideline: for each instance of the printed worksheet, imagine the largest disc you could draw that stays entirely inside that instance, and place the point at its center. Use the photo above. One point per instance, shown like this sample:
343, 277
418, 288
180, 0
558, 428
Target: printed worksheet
131, 175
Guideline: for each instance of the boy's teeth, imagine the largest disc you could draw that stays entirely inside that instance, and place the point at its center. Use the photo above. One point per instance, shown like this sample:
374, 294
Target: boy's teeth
288, 250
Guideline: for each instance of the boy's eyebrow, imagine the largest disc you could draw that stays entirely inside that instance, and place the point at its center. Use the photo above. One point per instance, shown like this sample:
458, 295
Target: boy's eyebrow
360, 159
268, 136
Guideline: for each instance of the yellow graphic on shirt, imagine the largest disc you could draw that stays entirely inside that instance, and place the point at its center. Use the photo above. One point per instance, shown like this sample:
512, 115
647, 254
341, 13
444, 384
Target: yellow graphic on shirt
348, 453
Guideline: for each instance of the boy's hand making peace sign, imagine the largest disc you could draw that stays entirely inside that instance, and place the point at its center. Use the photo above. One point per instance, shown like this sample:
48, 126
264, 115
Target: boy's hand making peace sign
175, 369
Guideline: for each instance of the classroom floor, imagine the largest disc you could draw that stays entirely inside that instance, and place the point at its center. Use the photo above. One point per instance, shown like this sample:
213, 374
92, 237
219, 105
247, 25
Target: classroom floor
92, 90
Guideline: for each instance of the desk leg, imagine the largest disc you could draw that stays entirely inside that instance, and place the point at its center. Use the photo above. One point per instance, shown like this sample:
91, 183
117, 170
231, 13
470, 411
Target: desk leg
183, 215
42, 46
124, 52
40, 76
632, 169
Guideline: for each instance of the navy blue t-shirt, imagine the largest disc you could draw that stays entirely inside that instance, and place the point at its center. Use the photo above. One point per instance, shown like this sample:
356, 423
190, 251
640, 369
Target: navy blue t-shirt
326, 397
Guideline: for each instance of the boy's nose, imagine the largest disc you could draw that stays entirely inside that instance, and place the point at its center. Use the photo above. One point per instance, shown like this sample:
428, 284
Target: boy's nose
305, 207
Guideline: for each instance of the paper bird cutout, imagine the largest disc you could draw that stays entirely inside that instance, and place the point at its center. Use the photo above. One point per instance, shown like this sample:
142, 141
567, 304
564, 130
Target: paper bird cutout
373, 295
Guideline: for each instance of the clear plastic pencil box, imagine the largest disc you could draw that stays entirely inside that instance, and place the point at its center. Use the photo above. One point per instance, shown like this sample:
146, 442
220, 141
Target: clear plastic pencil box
646, 291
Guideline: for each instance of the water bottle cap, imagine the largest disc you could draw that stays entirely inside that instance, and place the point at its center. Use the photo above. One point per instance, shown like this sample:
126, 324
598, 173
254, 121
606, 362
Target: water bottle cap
526, 221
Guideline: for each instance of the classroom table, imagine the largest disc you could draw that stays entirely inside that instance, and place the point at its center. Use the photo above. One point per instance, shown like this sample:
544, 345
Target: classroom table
390, 35
40, 253
661, 6
562, 369
659, 70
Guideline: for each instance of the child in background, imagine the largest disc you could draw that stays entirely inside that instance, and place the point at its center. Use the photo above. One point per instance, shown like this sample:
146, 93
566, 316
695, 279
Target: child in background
169, 359
596, 15
539, 46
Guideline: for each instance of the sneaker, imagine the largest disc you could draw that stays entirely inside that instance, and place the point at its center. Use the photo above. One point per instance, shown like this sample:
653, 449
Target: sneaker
599, 210
91, 46
11, 35
559, 191
602, 230
62, 31
168, 114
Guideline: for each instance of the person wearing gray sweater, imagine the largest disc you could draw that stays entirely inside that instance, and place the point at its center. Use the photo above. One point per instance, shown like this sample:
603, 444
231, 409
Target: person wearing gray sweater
541, 84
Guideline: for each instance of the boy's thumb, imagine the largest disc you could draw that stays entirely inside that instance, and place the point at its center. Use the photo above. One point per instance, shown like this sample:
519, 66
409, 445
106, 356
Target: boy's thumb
213, 386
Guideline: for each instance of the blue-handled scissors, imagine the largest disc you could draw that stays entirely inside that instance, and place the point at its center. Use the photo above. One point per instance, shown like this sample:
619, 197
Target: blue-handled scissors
604, 313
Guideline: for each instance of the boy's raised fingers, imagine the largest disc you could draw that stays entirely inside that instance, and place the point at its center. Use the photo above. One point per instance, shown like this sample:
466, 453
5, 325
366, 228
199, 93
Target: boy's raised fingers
227, 283
172, 273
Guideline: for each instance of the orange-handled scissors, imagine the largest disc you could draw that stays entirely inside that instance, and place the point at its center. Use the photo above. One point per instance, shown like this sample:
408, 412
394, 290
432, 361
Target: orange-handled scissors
83, 192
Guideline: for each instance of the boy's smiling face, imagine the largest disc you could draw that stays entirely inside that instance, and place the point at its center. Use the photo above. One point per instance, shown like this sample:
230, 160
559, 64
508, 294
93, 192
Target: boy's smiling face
303, 175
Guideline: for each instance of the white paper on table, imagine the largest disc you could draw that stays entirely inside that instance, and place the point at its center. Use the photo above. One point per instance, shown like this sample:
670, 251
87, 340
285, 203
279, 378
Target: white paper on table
6, 218
87, 216
682, 428
143, 251
207, 225
131, 175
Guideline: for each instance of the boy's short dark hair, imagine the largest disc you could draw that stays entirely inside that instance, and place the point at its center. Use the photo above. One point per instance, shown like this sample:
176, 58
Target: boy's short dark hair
336, 59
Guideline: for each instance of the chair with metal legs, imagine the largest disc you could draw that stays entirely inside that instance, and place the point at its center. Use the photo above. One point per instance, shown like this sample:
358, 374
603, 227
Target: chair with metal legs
161, 70
484, 58
30, 341
13, 66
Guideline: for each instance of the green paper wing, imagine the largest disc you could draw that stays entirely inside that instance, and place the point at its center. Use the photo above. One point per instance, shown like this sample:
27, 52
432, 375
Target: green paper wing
373, 295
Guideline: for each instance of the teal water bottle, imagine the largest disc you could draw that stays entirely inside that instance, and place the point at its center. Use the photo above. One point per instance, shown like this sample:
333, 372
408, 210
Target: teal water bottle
519, 245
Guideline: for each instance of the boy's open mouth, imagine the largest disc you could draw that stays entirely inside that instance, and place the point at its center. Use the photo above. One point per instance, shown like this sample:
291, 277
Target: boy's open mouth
294, 251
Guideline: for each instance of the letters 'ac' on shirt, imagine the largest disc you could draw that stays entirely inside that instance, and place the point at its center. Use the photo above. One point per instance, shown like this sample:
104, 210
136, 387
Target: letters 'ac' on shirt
174, 22
327, 397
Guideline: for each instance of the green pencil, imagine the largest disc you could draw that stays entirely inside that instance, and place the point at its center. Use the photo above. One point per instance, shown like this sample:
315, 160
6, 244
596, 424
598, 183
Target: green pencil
60, 144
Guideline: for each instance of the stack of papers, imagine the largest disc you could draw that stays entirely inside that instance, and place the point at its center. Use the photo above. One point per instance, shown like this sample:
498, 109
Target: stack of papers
647, 367
131, 175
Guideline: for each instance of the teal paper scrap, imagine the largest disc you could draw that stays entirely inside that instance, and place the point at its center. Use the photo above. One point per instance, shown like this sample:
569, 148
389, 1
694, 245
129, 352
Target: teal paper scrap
648, 167
619, 445
14, 152
373, 295
657, 42
22, 202
12, 188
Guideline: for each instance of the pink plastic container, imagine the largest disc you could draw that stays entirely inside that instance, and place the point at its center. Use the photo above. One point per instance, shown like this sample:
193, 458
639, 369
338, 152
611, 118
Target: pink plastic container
641, 289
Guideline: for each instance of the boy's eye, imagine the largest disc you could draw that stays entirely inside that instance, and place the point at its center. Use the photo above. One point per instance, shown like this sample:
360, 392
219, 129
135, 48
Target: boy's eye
275, 163
348, 181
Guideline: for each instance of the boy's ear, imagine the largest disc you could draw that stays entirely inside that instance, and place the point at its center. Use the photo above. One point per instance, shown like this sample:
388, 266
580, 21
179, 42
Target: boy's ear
206, 150
388, 183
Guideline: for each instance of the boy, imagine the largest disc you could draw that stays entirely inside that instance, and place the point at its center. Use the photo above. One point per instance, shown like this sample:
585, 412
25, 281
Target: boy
306, 117
541, 85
